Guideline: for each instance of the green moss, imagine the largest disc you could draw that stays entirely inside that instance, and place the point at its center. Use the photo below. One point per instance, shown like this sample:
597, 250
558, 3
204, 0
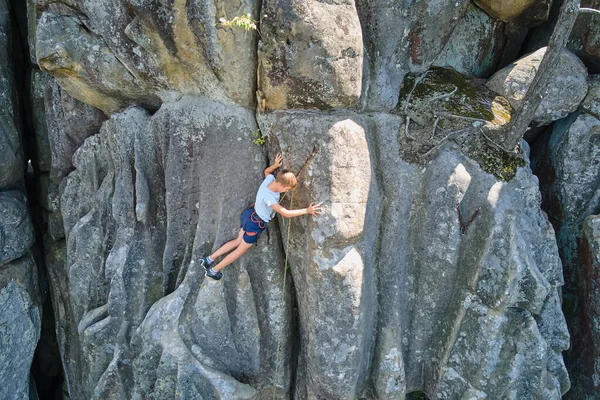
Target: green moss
416, 396
469, 99
502, 164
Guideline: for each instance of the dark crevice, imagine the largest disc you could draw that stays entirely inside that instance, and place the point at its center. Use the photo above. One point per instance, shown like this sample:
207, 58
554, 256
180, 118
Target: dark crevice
46, 368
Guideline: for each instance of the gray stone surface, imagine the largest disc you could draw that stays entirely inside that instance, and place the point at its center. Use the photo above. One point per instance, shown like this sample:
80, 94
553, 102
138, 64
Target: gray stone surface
331, 257
20, 322
138, 217
420, 30
585, 37
452, 308
16, 231
311, 55
394, 290
477, 58
591, 103
116, 53
567, 89
68, 123
85, 66
38, 82
588, 347
567, 163
10, 143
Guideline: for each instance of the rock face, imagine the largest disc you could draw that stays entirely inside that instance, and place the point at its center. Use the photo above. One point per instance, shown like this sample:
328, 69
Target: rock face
20, 310
478, 60
68, 123
421, 30
567, 89
318, 62
20, 319
589, 292
431, 269
570, 184
137, 219
114, 53
345, 287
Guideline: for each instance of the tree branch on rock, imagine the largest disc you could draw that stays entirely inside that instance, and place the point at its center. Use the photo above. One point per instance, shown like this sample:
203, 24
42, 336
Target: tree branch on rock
558, 41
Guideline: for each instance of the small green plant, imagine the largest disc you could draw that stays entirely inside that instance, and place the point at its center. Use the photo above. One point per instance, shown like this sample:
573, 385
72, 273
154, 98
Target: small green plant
245, 22
257, 138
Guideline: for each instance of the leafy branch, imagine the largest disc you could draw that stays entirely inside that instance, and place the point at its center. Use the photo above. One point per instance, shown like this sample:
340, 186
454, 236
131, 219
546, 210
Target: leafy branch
245, 22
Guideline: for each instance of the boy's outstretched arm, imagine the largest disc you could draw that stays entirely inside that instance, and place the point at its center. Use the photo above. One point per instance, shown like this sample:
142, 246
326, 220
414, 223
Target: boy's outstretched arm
276, 164
312, 209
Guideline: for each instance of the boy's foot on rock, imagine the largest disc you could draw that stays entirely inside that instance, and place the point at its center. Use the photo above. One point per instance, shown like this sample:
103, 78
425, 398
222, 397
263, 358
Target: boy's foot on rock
211, 273
205, 263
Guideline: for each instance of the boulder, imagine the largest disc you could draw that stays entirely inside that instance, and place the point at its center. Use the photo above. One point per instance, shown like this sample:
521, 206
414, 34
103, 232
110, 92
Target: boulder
20, 323
420, 30
591, 103
524, 12
563, 95
311, 54
16, 231
584, 40
476, 59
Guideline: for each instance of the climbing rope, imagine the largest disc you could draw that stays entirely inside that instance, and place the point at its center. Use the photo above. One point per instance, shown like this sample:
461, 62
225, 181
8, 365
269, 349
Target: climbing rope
285, 265
285, 268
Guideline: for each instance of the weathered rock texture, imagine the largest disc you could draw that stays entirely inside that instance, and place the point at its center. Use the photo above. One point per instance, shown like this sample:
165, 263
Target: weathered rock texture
570, 183
524, 12
20, 312
432, 267
138, 215
420, 30
114, 53
567, 88
591, 103
20, 321
478, 59
585, 37
372, 263
589, 293
311, 54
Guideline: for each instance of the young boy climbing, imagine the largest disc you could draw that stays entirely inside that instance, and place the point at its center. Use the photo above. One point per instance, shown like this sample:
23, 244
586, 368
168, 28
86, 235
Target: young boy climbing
257, 216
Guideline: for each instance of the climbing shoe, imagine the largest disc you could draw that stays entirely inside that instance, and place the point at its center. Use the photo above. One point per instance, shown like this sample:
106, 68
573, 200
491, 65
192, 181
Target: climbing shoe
211, 273
205, 263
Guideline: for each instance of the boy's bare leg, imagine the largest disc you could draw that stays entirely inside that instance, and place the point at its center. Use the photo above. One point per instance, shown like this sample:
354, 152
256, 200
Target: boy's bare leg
227, 247
234, 255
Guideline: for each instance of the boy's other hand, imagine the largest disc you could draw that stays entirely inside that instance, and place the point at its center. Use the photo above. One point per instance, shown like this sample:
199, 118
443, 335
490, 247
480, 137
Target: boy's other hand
278, 160
313, 209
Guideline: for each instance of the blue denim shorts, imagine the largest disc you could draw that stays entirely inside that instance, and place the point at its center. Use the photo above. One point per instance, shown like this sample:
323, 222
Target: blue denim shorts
252, 225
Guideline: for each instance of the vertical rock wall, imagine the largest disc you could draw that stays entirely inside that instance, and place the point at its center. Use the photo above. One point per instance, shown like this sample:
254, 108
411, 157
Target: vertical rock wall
20, 311
431, 275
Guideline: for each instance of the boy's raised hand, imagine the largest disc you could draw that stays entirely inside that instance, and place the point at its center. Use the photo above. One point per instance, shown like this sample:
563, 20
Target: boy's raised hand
278, 160
313, 209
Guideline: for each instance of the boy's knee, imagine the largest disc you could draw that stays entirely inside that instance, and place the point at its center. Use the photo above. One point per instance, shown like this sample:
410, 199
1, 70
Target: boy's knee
243, 247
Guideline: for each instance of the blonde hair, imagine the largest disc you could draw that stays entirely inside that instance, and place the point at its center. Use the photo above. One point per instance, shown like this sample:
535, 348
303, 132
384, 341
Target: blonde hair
287, 178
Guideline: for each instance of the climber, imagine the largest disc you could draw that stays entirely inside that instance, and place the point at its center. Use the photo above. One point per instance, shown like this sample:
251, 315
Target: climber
257, 216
